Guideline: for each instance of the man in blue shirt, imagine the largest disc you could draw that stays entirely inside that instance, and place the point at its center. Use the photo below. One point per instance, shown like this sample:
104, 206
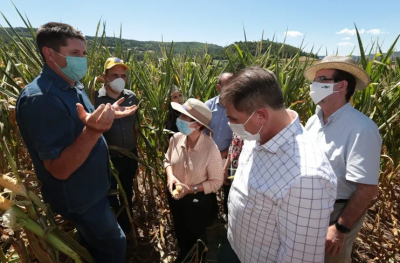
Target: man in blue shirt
222, 137
63, 134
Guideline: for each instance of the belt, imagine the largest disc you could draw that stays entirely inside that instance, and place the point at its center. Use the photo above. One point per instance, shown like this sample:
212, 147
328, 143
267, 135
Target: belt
338, 201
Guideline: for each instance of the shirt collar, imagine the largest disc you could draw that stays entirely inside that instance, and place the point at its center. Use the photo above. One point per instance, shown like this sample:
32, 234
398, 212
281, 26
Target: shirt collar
217, 102
284, 135
335, 116
198, 144
58, 80
103, 93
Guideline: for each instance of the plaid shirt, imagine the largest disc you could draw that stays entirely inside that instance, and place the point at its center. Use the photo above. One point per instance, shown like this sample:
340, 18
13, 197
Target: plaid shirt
281, 199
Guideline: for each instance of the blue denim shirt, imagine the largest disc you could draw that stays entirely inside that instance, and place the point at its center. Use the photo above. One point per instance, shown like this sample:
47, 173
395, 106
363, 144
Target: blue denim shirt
48, 122
219, 124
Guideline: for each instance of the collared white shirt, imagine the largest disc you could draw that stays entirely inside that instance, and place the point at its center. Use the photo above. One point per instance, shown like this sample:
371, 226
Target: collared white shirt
281, 199
352, 143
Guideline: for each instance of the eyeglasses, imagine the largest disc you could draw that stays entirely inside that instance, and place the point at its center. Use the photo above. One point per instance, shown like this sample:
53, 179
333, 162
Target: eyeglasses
323, 79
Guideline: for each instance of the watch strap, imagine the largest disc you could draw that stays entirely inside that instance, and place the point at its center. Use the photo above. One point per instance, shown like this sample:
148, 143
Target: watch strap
341, 228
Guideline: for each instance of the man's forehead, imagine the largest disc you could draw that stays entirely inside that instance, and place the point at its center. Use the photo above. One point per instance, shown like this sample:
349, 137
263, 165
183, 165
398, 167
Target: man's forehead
75, 43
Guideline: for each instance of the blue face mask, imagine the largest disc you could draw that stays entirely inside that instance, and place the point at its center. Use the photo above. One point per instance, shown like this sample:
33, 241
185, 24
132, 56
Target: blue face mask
76, 67
183, 126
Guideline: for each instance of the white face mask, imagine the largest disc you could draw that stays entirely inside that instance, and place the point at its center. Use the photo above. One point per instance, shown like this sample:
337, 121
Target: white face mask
117, 85
319, 91
240, 130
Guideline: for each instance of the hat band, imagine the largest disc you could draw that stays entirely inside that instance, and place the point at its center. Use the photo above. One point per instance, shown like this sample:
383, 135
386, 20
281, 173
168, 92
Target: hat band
196, 114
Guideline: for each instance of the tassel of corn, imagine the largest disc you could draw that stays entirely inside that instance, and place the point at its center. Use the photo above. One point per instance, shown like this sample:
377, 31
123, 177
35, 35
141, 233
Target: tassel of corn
5, 204
12, 184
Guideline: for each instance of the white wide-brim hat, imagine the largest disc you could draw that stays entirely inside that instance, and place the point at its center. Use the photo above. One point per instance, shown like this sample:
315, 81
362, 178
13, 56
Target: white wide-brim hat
195, 109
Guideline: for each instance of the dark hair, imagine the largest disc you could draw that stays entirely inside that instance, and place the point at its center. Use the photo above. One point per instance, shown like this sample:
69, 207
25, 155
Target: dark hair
253, 88
55, 35
340, 75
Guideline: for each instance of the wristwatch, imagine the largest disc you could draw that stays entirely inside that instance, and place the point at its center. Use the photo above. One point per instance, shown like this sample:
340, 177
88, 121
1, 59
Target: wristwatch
341, 228
195, 189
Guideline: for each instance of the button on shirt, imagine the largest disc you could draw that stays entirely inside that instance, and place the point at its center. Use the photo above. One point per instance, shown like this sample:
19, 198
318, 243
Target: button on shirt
281, 199
121, 133
352, 143
200, 165
49, 122
219, 124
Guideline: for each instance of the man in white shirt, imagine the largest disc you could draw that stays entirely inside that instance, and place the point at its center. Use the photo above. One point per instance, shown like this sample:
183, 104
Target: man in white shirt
284, 188
352, 143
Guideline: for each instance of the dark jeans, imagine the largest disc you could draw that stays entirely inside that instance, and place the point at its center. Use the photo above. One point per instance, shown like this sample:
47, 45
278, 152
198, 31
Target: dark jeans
190, 221
214, 209
126, 168
227, 188
99, 232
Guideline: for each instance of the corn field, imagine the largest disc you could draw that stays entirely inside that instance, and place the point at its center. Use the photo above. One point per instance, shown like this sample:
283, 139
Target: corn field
30, 232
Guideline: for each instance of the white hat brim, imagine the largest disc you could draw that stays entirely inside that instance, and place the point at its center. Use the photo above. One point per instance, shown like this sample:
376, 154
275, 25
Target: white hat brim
178, 107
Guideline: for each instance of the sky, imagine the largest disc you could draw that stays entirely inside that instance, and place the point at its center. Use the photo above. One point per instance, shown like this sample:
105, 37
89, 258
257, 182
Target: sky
324, 26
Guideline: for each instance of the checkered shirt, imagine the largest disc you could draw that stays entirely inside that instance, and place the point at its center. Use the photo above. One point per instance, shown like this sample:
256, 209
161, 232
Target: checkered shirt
281, 199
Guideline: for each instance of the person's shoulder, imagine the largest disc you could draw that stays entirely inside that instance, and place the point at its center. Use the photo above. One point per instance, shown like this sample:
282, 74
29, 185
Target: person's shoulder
37, 92
311, 121
208, 142
178, 136
360, 121
210, 101
39, 86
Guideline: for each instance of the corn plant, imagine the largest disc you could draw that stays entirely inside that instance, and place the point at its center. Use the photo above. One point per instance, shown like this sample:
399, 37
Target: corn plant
152, 79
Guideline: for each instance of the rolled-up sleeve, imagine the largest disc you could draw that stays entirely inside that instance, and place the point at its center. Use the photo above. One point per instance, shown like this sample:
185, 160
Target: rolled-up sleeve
215, 173
47, 123
363, 159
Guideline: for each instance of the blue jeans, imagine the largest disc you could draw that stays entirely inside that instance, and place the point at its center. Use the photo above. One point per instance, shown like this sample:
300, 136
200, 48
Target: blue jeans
100, 233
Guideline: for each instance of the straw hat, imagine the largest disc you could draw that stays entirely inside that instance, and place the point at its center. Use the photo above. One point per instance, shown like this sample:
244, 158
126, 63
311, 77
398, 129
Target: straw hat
195, 109
342, 63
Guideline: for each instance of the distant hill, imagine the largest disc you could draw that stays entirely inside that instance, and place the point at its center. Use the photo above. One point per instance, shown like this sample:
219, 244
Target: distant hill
154, 47
393, 56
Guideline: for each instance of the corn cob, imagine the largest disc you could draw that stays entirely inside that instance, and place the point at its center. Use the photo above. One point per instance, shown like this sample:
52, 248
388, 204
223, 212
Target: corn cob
12, 184
5, 204
177, 191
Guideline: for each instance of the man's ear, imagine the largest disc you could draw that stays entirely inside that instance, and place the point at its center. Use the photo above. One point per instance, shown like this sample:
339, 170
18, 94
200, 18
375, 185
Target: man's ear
218, 88
263, 115
342, 86
48, 54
